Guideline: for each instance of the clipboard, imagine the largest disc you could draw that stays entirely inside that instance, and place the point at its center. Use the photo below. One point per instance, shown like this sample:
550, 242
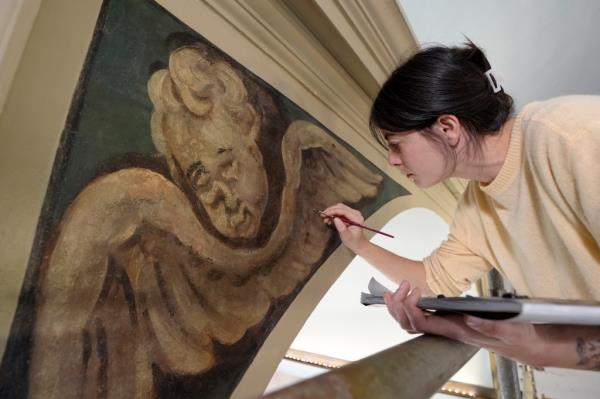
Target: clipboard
532, 310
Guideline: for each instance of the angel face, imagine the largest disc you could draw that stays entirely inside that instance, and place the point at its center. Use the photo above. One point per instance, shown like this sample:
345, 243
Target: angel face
225, 170
205, 124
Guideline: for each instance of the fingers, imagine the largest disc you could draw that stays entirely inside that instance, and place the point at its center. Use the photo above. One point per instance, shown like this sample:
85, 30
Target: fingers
502, 331
352, 236
341, 210
497, 335
416, 317
394, 304
539, 345
339, 225
417, 321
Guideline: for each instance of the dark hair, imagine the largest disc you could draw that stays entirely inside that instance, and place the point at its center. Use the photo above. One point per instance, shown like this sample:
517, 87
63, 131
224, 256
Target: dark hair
441, 80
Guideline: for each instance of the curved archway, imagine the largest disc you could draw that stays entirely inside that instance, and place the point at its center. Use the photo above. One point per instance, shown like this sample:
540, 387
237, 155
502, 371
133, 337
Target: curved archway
327, 318
341, 328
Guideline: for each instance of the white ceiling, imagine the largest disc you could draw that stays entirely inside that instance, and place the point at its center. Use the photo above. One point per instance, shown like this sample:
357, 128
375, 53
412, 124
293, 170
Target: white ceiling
538, 48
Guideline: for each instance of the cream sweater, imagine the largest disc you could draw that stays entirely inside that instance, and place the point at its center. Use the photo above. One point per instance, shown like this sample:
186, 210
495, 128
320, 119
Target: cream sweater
538, 221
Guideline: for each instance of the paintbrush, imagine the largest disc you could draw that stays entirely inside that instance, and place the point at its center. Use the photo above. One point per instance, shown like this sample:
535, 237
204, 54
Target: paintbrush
350, 222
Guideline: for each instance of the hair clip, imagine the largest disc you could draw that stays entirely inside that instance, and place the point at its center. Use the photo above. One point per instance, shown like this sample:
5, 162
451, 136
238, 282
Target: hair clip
495, 86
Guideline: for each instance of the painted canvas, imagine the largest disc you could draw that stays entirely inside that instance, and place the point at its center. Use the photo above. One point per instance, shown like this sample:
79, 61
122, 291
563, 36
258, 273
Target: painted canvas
178, 224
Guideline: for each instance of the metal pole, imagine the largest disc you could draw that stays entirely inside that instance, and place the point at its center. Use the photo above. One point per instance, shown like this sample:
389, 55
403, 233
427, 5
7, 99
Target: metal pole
508, 379
506, 369
415, 369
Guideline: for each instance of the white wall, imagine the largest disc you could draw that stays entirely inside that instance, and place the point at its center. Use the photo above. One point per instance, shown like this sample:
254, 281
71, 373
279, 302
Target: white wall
539, 48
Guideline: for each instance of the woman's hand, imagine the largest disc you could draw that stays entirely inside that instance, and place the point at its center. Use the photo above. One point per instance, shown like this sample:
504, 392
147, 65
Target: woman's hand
540, 345
352, 236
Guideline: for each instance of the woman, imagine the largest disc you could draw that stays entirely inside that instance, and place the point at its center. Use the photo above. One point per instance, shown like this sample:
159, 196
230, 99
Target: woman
531, 209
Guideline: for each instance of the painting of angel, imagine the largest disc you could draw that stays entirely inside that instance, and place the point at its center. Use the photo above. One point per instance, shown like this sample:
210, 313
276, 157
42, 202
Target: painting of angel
163, 281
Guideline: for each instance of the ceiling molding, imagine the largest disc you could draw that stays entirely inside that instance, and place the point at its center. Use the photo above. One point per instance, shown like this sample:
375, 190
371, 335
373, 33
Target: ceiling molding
377, 31
276, 30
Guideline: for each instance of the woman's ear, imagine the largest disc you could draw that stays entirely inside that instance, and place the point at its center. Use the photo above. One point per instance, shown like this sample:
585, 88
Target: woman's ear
450, 128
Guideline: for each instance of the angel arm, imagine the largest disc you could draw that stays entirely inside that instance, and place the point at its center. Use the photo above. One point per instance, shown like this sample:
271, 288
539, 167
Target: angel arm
126, 286
84, 258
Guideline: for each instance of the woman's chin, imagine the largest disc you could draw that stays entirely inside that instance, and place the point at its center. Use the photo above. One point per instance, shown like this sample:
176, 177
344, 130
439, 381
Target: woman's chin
424, 183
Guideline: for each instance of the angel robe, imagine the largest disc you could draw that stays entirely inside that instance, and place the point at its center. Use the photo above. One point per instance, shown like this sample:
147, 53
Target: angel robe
135, 287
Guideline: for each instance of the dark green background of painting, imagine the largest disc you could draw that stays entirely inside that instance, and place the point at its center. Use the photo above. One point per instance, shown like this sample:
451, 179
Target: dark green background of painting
113, 116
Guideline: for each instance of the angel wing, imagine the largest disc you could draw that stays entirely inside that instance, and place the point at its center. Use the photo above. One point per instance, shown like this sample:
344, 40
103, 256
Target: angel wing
322, 172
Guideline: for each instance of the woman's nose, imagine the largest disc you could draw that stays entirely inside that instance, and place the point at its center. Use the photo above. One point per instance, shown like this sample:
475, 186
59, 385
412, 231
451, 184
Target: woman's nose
394, 159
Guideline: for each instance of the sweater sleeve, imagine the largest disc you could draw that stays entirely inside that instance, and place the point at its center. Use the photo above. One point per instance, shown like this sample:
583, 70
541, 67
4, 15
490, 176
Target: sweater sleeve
454, 266
583, 162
